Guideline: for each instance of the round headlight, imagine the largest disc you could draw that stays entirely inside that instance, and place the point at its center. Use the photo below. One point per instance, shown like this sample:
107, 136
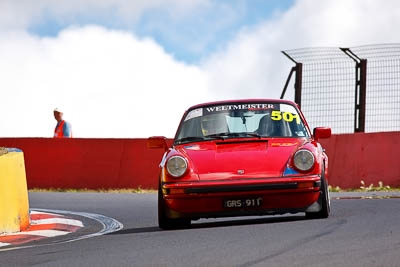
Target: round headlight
303, 160
176, 166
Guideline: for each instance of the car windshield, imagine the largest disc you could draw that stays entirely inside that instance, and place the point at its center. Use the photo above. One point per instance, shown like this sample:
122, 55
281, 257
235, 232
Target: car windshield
241, 120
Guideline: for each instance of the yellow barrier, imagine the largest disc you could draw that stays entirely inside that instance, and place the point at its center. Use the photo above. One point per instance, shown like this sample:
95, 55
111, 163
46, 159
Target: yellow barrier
14, 204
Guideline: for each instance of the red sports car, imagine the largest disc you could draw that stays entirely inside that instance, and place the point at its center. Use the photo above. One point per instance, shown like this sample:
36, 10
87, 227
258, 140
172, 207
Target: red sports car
243, 157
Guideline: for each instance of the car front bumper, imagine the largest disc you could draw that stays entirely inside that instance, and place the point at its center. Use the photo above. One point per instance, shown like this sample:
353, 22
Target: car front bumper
206, 199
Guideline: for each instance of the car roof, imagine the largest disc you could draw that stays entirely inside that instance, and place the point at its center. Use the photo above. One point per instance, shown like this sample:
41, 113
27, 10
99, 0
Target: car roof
243, 100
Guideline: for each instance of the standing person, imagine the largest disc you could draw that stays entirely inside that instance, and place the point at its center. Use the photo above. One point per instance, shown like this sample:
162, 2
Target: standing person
63, 128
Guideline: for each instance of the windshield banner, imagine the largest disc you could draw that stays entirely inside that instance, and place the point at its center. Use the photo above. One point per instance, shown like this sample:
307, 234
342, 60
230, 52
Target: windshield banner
251, 107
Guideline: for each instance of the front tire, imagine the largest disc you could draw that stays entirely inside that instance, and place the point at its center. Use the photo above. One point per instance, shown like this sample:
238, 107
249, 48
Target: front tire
323, 199
164, 222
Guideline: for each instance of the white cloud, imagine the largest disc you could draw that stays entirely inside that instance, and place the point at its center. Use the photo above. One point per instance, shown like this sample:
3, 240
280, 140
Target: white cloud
190, 26
251, 66
113, 84
109, 83
21, 14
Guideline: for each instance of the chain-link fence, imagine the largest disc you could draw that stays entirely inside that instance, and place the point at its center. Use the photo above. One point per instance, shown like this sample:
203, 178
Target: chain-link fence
330, 87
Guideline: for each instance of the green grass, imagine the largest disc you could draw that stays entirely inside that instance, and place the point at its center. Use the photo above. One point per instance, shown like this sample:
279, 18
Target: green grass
364, 188
85, 190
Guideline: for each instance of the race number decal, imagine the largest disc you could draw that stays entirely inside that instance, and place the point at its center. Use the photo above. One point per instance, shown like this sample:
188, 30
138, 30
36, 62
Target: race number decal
286, 116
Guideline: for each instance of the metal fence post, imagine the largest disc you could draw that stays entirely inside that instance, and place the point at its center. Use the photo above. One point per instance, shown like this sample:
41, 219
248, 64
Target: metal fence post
362, 96
360, 90
298, 80
297, 84
287, 82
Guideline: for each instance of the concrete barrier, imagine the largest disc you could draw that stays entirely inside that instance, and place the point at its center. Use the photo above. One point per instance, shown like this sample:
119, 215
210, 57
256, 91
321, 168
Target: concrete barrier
14, 204
368, 157
128, 163
88, 163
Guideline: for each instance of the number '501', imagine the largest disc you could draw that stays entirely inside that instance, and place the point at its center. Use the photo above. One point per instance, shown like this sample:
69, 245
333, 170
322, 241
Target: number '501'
286, 116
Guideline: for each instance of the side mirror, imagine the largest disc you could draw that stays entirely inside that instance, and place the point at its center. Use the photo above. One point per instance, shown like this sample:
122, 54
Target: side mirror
157, 142
322, 132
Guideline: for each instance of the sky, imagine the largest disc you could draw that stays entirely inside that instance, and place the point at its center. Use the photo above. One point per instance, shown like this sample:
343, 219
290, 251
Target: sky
129, 69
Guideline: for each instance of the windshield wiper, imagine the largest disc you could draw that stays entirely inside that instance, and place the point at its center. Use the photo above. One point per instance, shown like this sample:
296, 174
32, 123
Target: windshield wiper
198, 139
221, 136
218, 136
254, 135
233, 135
189, 139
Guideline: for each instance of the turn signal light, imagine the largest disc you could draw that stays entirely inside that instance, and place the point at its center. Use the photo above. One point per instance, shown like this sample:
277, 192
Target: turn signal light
305, 185
177, 191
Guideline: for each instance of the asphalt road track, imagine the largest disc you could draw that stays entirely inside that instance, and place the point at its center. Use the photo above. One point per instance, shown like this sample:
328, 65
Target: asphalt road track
359, 232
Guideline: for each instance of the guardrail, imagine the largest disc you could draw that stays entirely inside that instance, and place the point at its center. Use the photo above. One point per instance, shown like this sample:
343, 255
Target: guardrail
14, 204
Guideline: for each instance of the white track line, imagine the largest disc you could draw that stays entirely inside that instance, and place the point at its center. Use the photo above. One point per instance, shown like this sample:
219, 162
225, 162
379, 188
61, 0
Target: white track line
45, 213
46, 233
110, 225
58, 220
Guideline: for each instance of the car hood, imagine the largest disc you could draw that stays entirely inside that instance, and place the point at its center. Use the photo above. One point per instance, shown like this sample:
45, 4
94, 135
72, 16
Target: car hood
236, 159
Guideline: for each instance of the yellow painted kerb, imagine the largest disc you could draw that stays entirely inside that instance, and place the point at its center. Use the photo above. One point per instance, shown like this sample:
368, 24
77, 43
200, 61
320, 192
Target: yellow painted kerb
14, 203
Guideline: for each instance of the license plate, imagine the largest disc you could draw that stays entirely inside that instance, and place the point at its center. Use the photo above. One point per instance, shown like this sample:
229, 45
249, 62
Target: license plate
243, 203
